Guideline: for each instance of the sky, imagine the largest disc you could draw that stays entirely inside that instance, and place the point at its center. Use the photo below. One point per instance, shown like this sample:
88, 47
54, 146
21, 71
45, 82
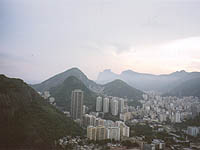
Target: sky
39, 39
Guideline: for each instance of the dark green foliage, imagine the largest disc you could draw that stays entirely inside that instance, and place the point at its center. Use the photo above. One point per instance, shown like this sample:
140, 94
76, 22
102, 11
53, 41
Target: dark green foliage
139, 130
149, 133
142, 130
130, 144
134, 103
27, 120
187, 88
108, 116
190, 122
193, 122
119, 88
62, 93
162, 135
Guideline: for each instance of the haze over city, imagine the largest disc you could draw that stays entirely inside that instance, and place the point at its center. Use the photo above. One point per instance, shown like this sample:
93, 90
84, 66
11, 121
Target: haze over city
39, 39
100, 74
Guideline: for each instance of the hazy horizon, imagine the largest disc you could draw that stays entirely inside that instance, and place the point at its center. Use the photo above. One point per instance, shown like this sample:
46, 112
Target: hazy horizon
39, 81
39, 39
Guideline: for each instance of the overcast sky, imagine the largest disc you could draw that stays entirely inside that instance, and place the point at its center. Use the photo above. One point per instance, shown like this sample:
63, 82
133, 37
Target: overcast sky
40, 38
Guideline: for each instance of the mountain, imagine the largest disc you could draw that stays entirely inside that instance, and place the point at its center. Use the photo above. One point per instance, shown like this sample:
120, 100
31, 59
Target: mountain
27, 120
121, 89
59, 79
107, 76
62, 93
147, 82
188, 88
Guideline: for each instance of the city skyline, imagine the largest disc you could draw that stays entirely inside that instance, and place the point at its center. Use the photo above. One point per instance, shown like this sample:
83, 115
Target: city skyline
41, 39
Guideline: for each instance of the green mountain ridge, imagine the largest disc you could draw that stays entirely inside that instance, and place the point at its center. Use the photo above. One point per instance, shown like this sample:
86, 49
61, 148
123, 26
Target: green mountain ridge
62, 93
121, 89
61, 86
61, 77
148, 82
27, 120
187, 88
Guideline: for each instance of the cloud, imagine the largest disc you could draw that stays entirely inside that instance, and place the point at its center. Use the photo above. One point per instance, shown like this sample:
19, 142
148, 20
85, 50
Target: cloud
194, 65
47, 37
8, 57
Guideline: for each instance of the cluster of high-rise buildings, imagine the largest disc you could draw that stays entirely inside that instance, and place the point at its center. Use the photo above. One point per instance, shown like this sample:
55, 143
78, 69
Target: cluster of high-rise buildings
171, 109
113, 105
98, 128
154, 108
101, 129
108, 130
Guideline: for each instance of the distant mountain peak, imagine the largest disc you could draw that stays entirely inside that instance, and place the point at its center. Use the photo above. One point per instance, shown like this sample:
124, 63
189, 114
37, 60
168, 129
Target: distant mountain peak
74, 68
121, 89
181, 72
107, 70
148, 82
60, 78
128, 72
118, 81
106, 76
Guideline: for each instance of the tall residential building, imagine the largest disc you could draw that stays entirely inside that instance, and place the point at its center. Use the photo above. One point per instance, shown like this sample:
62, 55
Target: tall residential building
194, 110
145, 96
124, 129
162, 117
113, 133
101, 133
125, 116
84, 109
121, 105
99, 104
106, 105
114, 107
193, 131
178, 117
91, 133
89, 120
100, 122
77, 104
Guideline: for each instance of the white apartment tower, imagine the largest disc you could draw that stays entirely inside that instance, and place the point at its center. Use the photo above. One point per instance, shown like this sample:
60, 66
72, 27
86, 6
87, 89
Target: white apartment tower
114, 107
121, 105
106, 105
178, 117
113, 133
99, 104
91, 133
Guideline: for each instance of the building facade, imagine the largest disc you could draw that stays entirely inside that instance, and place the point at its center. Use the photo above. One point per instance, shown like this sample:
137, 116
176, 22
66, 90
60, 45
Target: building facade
106, 105
99, 104
77, 104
